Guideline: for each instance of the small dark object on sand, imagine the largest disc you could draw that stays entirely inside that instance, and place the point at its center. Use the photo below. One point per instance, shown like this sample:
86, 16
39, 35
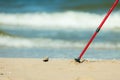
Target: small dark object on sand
1, 73
46, 59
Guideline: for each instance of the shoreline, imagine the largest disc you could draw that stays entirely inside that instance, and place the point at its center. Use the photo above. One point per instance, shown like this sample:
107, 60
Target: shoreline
58, 69
69, 59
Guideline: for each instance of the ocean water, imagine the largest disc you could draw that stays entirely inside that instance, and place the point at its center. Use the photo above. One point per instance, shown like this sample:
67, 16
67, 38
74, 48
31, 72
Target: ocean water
58, 29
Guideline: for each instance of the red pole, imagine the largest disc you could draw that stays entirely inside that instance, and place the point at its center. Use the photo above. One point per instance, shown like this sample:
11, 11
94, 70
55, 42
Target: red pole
97, 30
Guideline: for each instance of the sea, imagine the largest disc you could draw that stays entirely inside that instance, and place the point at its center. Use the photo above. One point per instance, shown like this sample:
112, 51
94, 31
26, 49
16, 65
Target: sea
58, 29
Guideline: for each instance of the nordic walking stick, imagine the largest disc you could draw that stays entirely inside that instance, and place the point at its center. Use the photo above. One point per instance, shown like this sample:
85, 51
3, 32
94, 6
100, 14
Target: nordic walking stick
97, 30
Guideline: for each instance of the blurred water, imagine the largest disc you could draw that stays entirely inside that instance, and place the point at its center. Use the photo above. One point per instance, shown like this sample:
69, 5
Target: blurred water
58, 29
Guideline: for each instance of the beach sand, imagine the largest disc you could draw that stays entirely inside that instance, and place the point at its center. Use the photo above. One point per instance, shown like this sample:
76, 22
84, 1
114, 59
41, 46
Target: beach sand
58, 69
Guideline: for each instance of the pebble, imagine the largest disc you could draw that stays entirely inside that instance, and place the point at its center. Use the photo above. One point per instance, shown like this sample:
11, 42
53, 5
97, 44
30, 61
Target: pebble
45, 59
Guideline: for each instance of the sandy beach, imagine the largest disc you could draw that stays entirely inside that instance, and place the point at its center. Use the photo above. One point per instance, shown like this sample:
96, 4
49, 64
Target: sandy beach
58, 69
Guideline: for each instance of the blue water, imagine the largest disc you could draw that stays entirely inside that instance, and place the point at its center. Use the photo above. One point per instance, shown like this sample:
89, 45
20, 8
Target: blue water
20, 6
58, 29
95, 54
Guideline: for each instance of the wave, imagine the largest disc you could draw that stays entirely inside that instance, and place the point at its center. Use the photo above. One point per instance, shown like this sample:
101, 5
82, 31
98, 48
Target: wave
59, 20
7, 41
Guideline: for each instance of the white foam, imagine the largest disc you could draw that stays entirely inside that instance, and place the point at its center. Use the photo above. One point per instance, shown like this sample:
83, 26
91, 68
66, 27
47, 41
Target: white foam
60, 20
7, 41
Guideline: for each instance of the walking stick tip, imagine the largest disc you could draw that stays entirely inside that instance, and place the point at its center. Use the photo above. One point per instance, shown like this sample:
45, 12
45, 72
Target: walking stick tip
77, 60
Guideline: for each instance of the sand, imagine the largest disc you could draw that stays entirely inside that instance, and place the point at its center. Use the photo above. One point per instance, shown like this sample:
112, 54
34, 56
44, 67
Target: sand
58, 69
